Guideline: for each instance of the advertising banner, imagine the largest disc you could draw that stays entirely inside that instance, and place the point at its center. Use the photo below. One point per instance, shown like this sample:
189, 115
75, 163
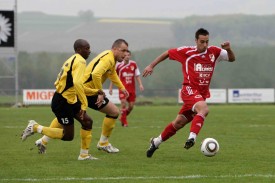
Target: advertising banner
37, 96
252, 95
44, 96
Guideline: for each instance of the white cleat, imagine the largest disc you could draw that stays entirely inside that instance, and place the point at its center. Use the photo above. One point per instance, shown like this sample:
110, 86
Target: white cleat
87, 157
108, 148
28, 130
41, 147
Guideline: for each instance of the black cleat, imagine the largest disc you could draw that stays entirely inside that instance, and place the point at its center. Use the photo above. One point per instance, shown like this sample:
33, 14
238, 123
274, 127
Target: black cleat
189, 143
151, 149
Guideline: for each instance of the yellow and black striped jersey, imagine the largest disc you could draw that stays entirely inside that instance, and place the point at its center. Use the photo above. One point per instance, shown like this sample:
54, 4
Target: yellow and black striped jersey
69, 82
98, 70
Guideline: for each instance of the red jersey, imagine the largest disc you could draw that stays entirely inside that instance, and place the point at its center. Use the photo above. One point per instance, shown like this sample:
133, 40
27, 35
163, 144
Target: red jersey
127, 74
197, 68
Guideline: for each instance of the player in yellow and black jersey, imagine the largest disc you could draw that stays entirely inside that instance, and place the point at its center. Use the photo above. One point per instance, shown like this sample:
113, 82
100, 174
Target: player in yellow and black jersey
97, 71
68, 102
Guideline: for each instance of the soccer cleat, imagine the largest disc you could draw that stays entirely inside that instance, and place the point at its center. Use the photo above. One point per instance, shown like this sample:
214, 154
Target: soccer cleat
151, 149
41, 147
108, 148
87, 157
189, 143
28, 130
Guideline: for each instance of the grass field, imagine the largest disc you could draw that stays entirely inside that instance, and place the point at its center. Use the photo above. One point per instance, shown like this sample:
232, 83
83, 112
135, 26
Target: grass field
246, 135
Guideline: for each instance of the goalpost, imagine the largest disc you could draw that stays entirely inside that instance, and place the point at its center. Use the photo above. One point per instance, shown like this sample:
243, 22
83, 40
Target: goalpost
8, 52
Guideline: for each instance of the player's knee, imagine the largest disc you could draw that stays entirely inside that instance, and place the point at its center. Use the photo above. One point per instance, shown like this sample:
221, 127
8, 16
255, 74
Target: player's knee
203, 109
87, 123
206, 111
67, 137
114, 112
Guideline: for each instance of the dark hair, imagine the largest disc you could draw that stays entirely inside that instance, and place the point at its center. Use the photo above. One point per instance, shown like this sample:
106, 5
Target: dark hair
118, 42
201, 31
79, 43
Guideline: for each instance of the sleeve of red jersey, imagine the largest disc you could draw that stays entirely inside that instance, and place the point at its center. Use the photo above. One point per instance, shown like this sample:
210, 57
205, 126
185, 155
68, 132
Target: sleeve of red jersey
176, 54
220, 54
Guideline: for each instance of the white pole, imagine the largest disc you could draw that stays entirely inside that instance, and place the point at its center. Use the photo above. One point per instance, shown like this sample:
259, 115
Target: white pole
16, 54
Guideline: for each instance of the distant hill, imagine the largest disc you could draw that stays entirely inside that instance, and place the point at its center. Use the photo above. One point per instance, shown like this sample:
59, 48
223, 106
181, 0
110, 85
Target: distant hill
49, 33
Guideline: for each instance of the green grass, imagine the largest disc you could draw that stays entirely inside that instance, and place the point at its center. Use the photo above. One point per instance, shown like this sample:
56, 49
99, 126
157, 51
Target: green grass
245, 134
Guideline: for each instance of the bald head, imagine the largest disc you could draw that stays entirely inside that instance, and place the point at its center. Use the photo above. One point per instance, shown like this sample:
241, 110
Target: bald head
80, 43
82, 47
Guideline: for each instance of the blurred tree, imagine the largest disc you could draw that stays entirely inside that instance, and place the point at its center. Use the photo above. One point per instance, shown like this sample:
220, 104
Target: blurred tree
86, 16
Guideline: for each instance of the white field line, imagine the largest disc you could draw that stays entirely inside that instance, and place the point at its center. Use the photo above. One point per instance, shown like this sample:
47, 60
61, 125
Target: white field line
140, 178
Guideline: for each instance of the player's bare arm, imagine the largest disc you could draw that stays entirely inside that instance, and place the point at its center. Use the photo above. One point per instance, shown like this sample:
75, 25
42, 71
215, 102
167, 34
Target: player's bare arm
149, 69
141, 88
231, 55
126, 93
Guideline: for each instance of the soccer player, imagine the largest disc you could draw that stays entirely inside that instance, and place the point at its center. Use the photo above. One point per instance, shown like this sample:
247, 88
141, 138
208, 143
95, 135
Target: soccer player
198, 63
127, 71
69, 102
97, 71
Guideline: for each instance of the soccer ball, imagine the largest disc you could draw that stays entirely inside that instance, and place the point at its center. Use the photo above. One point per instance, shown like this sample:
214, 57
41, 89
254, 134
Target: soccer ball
209, 147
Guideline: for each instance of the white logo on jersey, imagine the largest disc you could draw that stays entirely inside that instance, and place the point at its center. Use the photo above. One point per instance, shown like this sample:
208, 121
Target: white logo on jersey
212, 57
125, 74
200, 67
204, 75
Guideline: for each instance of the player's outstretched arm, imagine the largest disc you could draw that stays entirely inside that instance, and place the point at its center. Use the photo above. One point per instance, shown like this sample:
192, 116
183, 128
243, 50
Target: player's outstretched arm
149, 69
227, 47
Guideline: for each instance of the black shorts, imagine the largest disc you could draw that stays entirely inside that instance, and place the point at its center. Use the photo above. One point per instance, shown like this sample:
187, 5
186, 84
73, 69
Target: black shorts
92, 101
64, 111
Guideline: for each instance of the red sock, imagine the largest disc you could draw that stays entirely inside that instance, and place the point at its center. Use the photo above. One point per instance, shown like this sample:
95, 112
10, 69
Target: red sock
123, 117
123, 113
168, 132
197, 123
127, 112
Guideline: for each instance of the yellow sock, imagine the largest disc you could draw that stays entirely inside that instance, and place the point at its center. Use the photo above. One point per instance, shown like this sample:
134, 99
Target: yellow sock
107, 128
55, 124
54, 133
86, 138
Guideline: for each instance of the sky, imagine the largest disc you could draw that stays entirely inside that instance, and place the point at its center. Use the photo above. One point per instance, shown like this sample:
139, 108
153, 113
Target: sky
144, 8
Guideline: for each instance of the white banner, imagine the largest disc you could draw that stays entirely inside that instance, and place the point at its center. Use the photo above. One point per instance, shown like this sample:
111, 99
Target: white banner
44, 96
252, 95
217, 96
114, 98
37, 96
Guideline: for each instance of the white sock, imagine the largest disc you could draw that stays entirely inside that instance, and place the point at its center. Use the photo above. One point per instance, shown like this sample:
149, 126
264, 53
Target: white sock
192, 135
103, 139
158, 141
39, 129
84, 151
46, 139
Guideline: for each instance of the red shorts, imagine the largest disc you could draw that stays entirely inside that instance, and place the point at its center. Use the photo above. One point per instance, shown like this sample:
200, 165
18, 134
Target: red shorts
189, 97
131, 98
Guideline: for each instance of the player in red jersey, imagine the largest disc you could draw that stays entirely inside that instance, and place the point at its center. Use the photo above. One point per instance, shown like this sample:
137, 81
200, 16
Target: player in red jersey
198, 63
128, 72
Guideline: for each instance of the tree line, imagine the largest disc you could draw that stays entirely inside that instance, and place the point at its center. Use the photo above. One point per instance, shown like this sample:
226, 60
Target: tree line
254, 68
251, 37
